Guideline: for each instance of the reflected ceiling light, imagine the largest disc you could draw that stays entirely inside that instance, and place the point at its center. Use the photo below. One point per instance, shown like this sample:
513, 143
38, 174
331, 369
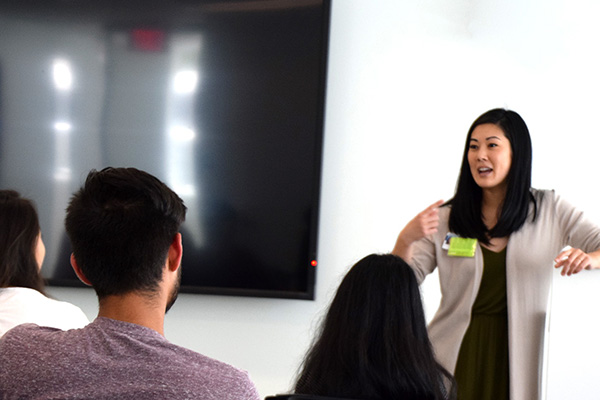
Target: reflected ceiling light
185, 82
182, 134
62, 74
62, 174
185, 190
62, 126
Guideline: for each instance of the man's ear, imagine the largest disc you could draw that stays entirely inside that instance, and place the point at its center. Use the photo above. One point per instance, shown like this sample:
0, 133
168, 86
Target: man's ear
78, 271
175, 253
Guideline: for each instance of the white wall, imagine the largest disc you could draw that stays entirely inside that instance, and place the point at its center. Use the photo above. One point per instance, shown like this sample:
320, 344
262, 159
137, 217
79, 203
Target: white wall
406, 79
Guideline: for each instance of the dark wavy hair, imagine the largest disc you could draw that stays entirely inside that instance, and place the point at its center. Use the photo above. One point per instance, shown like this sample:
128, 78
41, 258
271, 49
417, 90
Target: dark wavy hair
465, 215
19, 231
121, 224
373, 342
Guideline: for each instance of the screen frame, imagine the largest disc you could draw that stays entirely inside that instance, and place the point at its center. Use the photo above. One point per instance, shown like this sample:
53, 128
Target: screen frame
316, 179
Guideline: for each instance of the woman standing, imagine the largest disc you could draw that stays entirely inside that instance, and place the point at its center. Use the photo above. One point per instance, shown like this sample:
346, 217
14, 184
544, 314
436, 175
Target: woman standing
22, 251
494, 243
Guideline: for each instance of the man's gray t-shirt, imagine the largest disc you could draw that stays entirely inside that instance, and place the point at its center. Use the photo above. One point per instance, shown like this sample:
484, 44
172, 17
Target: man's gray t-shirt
111, 359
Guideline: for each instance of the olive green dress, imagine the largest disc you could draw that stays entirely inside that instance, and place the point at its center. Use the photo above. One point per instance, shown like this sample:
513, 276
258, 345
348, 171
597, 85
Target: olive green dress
482, 368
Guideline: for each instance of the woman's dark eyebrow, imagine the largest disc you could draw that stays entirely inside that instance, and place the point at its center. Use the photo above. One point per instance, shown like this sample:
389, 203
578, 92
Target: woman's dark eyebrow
487, 138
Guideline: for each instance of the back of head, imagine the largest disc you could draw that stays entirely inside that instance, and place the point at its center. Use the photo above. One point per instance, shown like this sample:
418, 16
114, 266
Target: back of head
121, 224
19, 231
373, 342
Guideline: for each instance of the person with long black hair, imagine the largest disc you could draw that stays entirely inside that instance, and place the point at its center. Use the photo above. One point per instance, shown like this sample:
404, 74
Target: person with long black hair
494, 244
373, 341
22, 252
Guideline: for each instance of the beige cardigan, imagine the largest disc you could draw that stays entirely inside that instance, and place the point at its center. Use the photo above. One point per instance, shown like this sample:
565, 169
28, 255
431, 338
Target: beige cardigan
529, 270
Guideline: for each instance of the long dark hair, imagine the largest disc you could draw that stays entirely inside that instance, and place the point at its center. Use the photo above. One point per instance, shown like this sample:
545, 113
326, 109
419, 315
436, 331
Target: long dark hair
465, 215
373, 342
19, 230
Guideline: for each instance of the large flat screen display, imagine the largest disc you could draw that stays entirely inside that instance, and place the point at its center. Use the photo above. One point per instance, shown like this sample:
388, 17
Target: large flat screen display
222, 100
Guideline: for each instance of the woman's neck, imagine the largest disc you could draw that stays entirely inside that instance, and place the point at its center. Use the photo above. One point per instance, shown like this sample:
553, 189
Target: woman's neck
491, 205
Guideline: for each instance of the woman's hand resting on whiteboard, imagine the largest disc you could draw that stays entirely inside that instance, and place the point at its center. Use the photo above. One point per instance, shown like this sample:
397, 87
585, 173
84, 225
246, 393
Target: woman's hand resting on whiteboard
573, 261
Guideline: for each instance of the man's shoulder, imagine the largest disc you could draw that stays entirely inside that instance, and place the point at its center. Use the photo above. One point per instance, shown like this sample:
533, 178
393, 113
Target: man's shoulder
196, 372
142, 344
189, 371
202, 373
184, 358
26, 345
28, 332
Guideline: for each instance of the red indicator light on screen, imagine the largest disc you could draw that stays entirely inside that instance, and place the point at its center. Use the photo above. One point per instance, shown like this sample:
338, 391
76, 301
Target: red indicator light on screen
313, 263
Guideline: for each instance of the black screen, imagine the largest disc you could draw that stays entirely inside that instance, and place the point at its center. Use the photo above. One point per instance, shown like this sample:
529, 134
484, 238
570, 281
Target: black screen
223, 101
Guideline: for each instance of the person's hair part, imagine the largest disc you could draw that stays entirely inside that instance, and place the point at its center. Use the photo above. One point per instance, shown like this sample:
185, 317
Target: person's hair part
373, 342
121, 224
465, 215
19, 231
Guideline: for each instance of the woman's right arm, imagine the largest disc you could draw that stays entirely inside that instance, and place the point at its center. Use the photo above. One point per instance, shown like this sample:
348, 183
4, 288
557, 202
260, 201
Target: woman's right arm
423, 224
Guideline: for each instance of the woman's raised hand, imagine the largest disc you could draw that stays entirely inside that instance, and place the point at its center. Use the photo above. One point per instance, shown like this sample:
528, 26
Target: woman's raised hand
423, 224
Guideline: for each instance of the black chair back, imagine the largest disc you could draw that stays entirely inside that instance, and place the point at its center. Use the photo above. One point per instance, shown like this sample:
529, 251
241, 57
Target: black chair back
302, 397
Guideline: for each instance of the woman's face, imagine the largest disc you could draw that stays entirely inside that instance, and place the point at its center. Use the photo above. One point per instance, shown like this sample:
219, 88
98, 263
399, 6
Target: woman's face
489, 156
40, 251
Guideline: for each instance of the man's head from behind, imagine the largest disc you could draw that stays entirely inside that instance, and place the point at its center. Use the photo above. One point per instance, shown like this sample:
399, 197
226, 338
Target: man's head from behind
121, 224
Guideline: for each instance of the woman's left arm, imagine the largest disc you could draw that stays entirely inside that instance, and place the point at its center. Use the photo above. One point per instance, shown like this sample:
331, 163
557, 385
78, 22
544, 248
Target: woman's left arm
581, 234
573, 261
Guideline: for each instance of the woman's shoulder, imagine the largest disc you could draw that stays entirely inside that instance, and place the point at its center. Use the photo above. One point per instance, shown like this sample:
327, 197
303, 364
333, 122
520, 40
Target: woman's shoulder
551, 204
543, 197
541, 193
20, 294
28, 298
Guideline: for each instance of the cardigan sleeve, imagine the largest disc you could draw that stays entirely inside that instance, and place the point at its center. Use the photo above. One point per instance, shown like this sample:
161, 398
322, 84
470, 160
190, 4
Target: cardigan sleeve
577, 230
425, 255
423, 261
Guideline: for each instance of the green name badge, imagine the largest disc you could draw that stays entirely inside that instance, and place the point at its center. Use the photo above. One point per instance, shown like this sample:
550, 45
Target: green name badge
462, 247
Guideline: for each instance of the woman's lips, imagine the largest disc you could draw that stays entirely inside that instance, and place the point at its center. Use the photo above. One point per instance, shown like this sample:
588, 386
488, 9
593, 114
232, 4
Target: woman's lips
484, 171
